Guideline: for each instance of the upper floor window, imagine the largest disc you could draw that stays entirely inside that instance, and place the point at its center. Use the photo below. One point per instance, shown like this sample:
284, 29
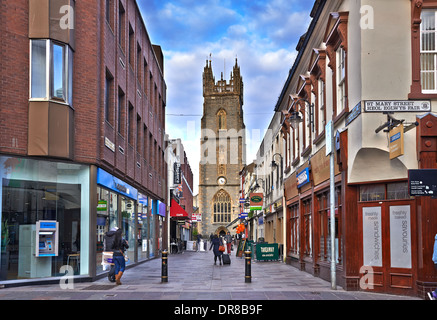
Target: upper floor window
341, 80
51, 69
321, 115
428, 51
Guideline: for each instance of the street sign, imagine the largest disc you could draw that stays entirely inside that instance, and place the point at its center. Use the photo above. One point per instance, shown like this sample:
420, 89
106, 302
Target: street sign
328, 137
422, 182
397, 106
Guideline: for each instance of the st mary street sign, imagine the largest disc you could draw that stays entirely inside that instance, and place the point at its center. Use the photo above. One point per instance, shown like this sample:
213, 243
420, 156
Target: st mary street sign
397, 106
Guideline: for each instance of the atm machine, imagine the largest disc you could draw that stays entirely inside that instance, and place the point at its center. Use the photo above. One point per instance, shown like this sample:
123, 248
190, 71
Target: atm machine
38, 243
47, 237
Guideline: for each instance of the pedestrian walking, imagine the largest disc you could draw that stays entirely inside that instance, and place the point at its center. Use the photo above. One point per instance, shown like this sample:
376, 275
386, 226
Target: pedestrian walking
228, 239
199, 237
217, 243
114, 242
433, 295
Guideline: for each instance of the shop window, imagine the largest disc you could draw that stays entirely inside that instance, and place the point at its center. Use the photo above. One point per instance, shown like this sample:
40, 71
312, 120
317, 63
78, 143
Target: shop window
143, 227
51, 68
307, 217
32, 191
397, 191
294, 230
379, 192
324, 231
107, 218
372, 192
128, 225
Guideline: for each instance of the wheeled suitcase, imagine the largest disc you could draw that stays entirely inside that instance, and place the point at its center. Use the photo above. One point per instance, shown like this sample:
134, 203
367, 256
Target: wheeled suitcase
226, 259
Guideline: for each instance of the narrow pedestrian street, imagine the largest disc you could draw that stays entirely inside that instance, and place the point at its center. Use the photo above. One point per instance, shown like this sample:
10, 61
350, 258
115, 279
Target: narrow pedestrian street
193, 276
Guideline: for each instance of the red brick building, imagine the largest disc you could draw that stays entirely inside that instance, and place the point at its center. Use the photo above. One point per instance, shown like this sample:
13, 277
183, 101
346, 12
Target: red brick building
82, 123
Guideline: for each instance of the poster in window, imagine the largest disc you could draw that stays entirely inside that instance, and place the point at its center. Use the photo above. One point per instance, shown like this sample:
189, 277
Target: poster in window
372, 237
400, 237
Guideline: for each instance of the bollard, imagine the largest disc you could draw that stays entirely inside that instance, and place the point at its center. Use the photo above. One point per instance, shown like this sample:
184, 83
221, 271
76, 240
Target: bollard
164, 272
248, 276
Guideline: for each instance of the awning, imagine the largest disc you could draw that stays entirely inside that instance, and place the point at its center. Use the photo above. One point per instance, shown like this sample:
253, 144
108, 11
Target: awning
233, 222
176, 211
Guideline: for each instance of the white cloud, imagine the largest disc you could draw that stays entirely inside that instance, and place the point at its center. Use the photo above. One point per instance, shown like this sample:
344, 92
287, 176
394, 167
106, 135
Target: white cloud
262, 34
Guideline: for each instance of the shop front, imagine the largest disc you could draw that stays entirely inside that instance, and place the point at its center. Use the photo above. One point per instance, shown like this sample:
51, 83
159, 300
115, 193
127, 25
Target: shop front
307, 194
179, 227
117, 201
44, 215
139, 216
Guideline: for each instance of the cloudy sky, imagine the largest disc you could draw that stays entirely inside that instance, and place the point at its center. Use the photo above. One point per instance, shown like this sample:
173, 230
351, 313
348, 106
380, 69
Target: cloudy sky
263, 34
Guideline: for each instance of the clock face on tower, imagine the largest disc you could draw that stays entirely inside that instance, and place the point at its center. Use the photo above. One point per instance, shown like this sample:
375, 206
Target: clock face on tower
221, 180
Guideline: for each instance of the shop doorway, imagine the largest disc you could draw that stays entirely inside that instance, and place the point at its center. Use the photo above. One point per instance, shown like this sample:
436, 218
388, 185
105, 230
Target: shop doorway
388, 246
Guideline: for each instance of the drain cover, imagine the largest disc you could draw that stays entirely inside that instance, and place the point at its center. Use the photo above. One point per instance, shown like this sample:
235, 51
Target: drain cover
99, 287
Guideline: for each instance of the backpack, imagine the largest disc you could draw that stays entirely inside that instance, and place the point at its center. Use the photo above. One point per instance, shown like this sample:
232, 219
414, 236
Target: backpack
108, 242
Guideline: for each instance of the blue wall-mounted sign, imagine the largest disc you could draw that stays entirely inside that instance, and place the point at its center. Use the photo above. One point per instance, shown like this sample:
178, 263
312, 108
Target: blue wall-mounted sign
109, 181
303, 177
161, 208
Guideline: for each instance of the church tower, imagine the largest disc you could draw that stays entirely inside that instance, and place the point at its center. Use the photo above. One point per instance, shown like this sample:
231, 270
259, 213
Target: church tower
223, 150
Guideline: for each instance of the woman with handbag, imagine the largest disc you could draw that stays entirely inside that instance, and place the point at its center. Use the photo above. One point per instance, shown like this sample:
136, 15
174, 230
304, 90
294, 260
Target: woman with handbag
119, 245
218, 248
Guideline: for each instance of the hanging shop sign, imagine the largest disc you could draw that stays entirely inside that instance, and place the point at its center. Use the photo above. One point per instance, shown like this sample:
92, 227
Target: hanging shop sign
303, 177
397, 106
256, 201
162, 208
396, 143
177, 173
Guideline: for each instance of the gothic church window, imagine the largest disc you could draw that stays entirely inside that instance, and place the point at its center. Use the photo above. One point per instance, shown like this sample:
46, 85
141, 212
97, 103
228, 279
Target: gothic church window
221, 119
222, 207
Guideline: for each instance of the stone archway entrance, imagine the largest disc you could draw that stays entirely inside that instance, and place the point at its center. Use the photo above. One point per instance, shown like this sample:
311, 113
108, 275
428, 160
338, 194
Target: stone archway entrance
221, 231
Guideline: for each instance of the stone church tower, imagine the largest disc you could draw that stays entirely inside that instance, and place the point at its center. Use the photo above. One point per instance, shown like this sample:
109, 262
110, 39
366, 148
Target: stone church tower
223, 151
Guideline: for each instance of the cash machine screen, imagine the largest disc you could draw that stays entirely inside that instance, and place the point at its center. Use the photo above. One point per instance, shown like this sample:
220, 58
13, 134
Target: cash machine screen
47, 238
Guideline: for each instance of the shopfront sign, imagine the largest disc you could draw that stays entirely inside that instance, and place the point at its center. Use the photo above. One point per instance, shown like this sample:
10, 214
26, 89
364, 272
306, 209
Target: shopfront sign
397, 106
423, 182
396, 143
177, 173
372, 237
266, 252
303, 177
109, 181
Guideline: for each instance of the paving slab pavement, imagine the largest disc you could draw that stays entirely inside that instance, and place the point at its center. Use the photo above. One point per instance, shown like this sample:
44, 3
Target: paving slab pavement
193, 276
